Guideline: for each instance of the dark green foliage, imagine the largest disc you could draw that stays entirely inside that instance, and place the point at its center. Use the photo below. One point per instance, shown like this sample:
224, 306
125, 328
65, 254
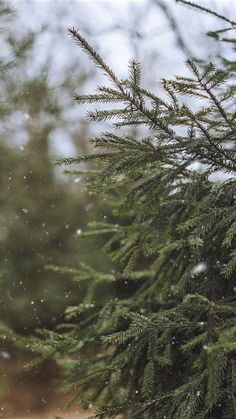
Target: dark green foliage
165, 348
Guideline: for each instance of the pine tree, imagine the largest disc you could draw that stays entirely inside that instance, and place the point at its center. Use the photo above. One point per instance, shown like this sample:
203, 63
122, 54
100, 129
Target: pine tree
165, 347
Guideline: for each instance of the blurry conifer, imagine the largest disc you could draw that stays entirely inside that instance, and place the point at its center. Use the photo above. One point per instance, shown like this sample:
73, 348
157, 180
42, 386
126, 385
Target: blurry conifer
40, 212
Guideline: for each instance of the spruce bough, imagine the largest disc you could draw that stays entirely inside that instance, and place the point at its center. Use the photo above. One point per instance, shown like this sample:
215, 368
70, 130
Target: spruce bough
166, 349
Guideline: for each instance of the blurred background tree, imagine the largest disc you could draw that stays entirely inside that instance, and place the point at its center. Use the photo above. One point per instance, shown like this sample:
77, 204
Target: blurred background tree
40, 211
39, 214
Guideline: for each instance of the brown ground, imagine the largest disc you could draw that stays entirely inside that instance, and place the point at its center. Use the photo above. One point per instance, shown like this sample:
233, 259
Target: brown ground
33, 395
52, 415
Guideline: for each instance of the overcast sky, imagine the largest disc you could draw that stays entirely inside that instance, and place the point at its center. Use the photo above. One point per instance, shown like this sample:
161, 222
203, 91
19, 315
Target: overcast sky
121, 30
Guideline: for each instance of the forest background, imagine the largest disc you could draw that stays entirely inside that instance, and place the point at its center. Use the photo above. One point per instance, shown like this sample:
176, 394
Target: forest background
42, 209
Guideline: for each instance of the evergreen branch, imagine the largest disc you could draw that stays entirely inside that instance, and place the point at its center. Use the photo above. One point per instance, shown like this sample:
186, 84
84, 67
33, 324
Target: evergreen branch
96, 57
204, 9
99, 98
170, 314
126, 95
83, 159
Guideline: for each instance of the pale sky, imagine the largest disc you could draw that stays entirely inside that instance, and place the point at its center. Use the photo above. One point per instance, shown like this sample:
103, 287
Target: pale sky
119, 30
